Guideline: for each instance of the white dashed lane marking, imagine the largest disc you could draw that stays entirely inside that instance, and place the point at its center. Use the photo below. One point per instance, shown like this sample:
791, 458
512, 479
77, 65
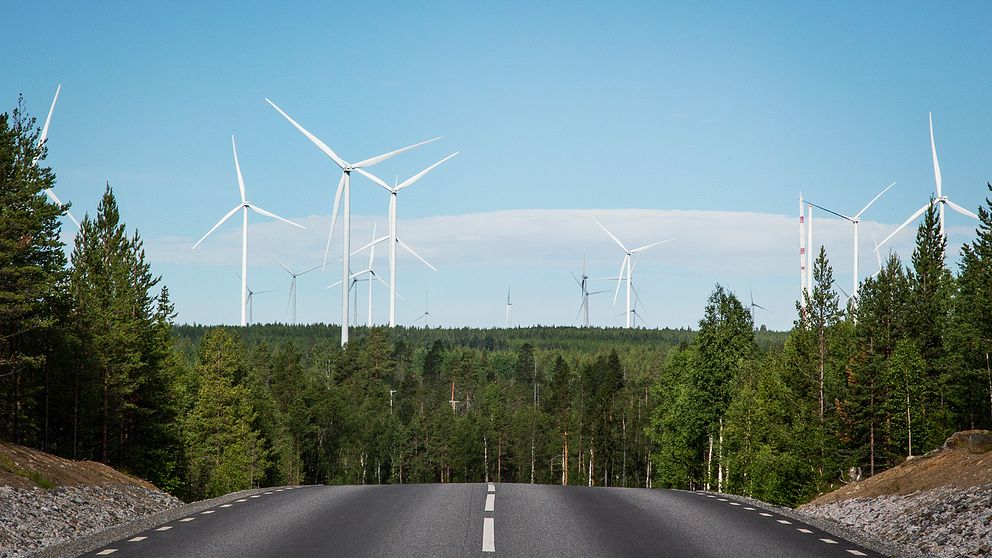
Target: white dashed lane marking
225, 505
763, 514
255, 496
106, 551
857, 553
829, 541
187, 519
165, 528
488, 535
734, 504
749, 509
785, 522
807, 531
490, 502
241, 500
137, 539
492, 488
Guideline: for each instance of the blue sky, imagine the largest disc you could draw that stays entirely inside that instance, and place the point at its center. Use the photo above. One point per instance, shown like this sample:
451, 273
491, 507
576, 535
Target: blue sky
702, 122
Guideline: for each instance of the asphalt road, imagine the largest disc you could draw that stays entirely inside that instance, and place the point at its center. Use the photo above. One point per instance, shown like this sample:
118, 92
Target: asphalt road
460, 520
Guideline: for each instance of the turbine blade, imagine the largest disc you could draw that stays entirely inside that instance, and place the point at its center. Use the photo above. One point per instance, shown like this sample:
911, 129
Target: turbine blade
615, 239
316, 141
829, 211
48, 120
623, 265
936, 165
332, 285
375, 179
370, 244
873, 200
219, 223
408, 249
334, 217
598, 292
960, 209
261, 211
237, 166
380, 158
652, 245
421, 174
289, 271
307, 271
54, 198
902, 226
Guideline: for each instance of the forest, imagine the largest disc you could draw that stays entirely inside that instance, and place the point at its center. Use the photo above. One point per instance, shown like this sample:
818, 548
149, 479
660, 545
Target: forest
92, 366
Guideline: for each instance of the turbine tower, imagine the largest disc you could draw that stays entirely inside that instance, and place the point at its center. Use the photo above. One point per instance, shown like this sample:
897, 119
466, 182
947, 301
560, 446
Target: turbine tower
251, 303
244, 206
583, 282
940, 201
854, 221
803, 256
509, 306
625, 270
41, 142
344, 190
393, 238
291, 303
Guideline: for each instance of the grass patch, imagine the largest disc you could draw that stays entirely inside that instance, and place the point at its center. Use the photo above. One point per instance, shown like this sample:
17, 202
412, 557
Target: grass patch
8, 465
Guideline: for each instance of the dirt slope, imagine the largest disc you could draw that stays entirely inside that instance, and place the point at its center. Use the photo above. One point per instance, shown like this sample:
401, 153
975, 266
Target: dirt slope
22, 467
964, 461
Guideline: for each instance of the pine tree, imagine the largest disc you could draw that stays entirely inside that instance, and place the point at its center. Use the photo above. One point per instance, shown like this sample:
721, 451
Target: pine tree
32, 279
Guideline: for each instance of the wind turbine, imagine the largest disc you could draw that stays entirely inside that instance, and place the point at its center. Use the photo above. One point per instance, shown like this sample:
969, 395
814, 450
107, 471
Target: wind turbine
393, 238
244, 206
41, 142
509, 306
583, 282
370, 270
251, 303
854, 220
427, 312
625, 266
941, 200
291, 303
344, 190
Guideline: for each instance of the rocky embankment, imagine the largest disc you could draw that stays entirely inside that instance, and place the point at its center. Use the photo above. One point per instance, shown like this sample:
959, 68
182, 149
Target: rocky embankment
938, 505
34, 518
46, 500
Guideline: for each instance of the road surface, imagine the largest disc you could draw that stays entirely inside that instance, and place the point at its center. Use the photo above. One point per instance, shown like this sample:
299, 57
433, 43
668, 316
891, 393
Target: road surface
483, 520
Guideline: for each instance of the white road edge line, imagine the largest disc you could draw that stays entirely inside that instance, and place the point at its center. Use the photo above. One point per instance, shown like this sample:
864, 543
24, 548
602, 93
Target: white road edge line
490, 502
137, 539
488, 535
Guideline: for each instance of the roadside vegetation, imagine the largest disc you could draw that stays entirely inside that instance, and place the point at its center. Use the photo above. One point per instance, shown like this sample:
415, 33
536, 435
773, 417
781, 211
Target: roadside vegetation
92, 367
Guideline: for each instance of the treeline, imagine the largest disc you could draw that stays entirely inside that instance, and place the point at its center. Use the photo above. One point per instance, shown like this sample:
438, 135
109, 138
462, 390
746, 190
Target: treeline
91, 367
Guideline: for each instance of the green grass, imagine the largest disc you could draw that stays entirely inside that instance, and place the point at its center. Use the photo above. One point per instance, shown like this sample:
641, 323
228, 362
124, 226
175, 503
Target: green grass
7, 465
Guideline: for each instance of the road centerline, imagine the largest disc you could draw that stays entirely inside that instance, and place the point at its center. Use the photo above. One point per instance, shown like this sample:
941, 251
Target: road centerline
488, 535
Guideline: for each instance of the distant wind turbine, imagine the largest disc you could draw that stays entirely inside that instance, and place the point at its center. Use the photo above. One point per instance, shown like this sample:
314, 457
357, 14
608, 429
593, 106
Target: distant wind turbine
41, 142
291, 303
426, 316
344, 190
393, 237
583, 282
251, 303
369, 272
244, 206
625, 269
855, 220
509, 306
940, 201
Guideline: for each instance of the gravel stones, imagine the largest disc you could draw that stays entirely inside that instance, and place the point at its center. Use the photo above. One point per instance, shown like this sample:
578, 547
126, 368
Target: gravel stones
944, 522
32, 519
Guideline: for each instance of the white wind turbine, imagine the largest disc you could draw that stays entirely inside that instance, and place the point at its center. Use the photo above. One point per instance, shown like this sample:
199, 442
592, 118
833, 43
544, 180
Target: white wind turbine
41, 142
509, 306
344, 190
393, 238
426, 316
854, 220
625, 270
291, 303
940, 201
369, 272
251, 303
244, 206
583, 282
